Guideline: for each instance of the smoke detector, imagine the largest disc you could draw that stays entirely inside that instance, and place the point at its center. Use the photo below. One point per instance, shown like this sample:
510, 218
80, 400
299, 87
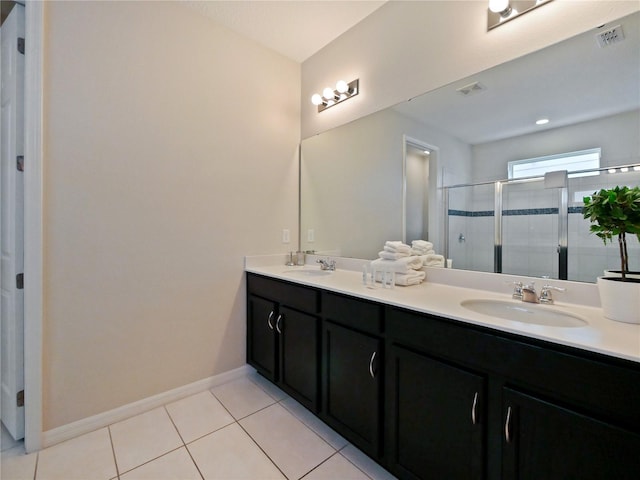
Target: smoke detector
610, 36
470, 89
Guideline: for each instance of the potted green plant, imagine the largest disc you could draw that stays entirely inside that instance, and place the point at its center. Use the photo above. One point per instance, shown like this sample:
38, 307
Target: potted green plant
615, 212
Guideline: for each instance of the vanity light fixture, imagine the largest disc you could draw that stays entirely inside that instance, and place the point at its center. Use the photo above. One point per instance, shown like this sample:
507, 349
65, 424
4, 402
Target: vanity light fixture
501, 11
331, 97
624, 169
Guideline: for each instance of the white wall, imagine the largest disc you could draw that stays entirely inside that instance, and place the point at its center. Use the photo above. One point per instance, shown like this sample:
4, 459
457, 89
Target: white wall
617, 135
352, 182
170, 153
406, 48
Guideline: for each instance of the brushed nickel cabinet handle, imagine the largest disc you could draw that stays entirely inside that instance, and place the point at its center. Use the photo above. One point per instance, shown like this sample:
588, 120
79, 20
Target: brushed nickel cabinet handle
269, 320
278, 323
473, 409
507, 424
371, 372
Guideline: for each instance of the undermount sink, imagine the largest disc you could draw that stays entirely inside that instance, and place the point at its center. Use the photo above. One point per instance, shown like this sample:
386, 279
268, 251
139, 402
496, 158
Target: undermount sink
308, 272
524, 312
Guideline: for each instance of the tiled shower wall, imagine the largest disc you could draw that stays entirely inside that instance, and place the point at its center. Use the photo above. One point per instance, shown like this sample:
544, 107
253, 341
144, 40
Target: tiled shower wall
530, 229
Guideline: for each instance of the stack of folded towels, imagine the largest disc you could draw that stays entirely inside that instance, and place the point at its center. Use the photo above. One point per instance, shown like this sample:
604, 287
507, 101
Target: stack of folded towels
407, 261
397, 257
424, 248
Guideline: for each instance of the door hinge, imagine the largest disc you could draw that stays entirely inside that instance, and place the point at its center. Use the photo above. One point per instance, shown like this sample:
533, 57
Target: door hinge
21, 45
20, 163
20, 281
20, 398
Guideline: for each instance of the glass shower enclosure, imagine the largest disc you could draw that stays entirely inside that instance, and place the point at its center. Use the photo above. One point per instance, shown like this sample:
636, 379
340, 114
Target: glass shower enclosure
533, 226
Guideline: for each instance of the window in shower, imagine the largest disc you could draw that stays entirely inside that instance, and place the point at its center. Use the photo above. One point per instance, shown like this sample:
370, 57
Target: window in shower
572, 162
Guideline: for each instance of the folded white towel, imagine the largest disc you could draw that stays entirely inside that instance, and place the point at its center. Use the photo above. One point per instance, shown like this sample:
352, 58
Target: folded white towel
422, 244
412, 277
405, 249
420, 251
395, 243
406, 279
401, 265
397, 247
392, 255
433, 260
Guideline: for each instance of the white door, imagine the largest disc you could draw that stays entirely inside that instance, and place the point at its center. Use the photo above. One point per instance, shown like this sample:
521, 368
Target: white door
12, 223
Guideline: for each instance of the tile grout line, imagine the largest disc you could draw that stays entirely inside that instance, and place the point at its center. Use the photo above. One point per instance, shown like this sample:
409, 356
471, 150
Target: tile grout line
113, 452
35, 471
279, 402
152, 459
184, 444
247, 433
262, 450
352, 463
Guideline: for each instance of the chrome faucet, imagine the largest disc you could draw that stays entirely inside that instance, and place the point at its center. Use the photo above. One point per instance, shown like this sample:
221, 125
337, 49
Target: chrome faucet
517, 290
326, 264
545, 293
530, 295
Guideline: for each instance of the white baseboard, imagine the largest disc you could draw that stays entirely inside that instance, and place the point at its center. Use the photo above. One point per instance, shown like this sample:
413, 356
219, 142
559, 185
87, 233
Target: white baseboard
89, 424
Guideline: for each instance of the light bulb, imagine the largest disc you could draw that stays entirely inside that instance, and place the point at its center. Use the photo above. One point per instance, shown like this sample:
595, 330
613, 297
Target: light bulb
636, 168
612, 170
498, 6
342, 86
316, 99
328, 93
624, 169
542, 121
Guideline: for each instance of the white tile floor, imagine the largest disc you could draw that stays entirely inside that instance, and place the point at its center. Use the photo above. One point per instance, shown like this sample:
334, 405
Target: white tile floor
247, 429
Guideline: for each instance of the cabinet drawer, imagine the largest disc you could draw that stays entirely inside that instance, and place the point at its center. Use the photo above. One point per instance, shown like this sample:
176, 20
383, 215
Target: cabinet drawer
359, 314
294, 296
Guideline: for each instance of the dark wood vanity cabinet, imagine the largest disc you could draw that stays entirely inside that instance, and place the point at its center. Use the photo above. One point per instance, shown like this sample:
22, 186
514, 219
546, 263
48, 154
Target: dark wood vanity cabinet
283, 336
353, 369
542, 411
436, 418
428, 397
546, 440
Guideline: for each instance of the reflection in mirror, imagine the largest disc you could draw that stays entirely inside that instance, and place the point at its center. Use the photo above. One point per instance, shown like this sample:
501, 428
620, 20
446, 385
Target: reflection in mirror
356, 179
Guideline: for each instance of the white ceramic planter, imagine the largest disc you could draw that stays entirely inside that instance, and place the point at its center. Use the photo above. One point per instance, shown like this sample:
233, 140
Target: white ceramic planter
620, 300
616, 273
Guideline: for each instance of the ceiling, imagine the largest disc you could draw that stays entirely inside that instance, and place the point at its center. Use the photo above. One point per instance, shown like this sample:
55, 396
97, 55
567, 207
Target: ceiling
570, 82
296, 29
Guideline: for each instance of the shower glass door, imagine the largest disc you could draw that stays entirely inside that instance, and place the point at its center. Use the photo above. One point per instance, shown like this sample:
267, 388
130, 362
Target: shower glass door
470, 232
532, 243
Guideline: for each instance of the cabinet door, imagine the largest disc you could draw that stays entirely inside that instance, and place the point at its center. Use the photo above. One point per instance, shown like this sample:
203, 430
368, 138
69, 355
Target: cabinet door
437, 419
299, 352
544, 440
261, 339
353, 386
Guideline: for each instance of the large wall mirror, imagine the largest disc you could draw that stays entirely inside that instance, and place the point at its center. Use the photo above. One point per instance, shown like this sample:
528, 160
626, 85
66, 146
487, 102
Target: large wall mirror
383, 177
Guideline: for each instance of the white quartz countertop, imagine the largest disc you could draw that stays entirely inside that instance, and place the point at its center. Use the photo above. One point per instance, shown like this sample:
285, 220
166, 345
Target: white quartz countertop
599, 335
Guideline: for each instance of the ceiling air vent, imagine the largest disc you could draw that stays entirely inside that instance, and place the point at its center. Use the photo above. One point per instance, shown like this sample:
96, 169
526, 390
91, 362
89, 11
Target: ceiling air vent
470, 89
610, 36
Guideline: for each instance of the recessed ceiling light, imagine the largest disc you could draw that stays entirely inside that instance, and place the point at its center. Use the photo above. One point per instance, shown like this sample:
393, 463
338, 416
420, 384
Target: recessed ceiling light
542, 121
